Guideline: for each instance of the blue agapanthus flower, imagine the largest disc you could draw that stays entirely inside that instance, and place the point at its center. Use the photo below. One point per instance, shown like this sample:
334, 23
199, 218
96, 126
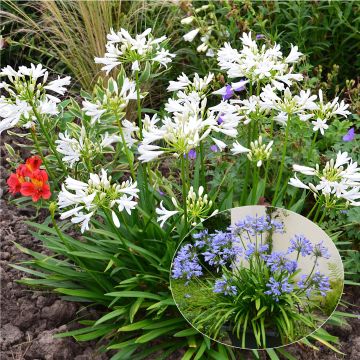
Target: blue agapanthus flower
222, 286
251, 250
221, 250
186, 264
278, 261
321, 251
277, 288
201, 238
256, 225
301, 245
318, 282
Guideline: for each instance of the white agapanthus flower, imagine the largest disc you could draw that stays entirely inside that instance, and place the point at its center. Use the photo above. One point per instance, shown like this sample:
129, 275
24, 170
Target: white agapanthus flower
302, 105
82, 200
122, 48
258, 152
188, 20
259, 64
197, 84
190, 36
326, 111
250, 108
339, 179
82, 146
113, 101
163, 214
70, 147
198, 207
188, 123
28, 92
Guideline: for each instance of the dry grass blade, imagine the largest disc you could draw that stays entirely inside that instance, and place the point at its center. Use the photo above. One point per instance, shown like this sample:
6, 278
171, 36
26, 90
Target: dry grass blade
74, 32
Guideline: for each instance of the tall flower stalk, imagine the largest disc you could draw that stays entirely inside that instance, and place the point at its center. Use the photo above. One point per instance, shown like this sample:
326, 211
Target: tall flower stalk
282, 163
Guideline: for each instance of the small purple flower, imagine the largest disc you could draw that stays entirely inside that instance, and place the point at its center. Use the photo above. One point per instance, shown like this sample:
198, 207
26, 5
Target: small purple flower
250, 250
220, 120
201, 239
186, 263
161, 192
260, 36
291, 266
201, 234
321, 283
214, 148
301, 245
220, 249
318, 282
278, 261
191, 154
277, 288
350, 135
229, 92
321, 251
223, 287
256, 225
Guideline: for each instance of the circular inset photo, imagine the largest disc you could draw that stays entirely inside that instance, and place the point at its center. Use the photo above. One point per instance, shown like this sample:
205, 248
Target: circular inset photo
257, 277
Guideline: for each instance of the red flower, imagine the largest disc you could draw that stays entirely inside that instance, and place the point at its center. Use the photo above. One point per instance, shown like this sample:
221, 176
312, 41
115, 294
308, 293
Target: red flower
37, 187
32, 164
30, 180
15, 180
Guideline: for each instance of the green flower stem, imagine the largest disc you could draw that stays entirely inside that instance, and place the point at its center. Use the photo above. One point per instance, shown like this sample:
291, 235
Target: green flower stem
126, 149
247, 171
138, 102
184, 188
292, 199
312, 146
255, 184
313, 209
322, 217
268, 160
202, 166
321, 200
308, 278
49, 141
38, 148
275, 198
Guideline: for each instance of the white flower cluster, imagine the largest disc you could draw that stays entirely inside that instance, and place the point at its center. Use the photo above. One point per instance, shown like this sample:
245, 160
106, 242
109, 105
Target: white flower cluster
84, 199
186, 85
80, 145
288, 104
250, 108
324, 112
188, 123
272, 73
113, 101
257, 153
28, 91
122, 48
339, 179
198, 207
259, 64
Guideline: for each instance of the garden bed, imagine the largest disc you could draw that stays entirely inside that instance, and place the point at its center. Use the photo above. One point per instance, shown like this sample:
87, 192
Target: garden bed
30, 319
165, 118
